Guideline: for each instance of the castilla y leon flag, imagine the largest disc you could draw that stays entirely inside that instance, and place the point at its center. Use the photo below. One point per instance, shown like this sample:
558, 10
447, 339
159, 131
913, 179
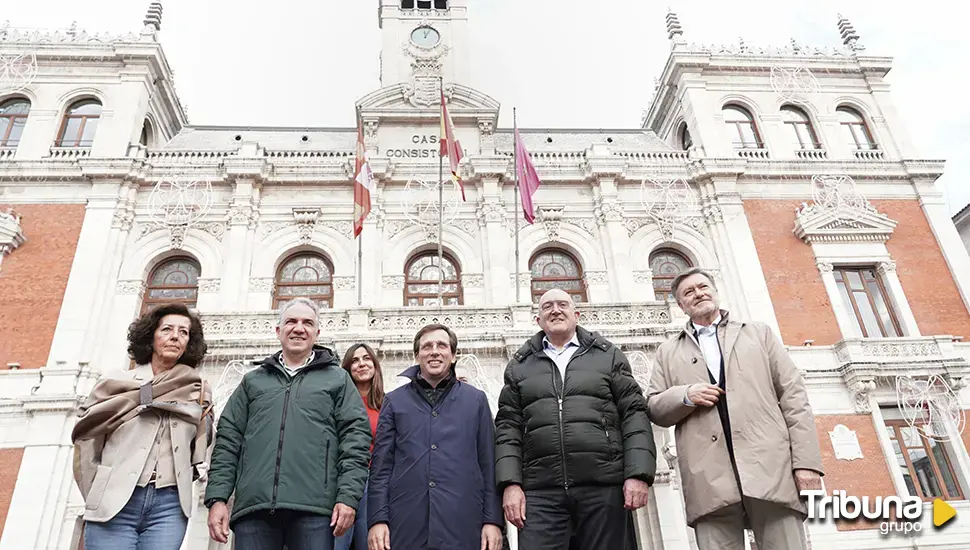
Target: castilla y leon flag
450, 146
363, 183
527, 176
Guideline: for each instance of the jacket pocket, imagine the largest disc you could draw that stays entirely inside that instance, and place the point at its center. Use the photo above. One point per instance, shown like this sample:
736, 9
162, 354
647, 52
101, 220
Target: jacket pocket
609, 440
98, 487
326, 465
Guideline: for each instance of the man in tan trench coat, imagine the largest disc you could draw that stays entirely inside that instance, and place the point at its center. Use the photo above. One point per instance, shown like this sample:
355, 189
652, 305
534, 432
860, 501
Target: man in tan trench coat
744, 424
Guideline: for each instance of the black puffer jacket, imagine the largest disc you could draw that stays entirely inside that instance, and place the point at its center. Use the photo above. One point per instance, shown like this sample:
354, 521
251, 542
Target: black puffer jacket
591, 430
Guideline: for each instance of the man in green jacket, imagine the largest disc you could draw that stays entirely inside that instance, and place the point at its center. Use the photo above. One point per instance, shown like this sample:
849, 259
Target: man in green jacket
293, 442
574, 449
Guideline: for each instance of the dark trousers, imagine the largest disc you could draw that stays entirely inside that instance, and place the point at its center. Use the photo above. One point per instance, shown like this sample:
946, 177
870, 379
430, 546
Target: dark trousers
295, 530
584, 518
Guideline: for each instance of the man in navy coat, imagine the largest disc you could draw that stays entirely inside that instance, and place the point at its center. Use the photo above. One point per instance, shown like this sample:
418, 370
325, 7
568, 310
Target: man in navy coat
432, 478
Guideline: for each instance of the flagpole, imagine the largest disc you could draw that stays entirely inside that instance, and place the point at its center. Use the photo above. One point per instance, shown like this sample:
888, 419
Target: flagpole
441, 203
515, 162
360, 237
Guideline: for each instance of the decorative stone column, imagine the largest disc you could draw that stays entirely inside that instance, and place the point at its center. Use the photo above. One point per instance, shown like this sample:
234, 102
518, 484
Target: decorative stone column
887, 272
492, 219
614, 237
842, 314
243, 215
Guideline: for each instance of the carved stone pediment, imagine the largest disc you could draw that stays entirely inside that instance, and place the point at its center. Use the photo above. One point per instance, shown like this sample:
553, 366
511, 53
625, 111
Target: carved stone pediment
464, 104
818, 225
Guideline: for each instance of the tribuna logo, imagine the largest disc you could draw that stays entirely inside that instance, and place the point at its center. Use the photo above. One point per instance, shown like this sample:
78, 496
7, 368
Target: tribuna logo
896, 513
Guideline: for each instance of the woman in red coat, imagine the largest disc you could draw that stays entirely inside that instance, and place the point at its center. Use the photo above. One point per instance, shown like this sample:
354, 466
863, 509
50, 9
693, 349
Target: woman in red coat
365, 370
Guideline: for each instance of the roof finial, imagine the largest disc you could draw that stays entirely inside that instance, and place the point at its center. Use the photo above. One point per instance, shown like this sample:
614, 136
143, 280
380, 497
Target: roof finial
849, 37
153, 18
675, 33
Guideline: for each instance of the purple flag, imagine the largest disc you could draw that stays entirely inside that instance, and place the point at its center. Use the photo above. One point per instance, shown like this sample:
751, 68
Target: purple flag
527, 176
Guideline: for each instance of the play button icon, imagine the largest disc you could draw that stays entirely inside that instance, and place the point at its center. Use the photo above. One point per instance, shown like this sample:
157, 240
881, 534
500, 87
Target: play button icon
942, 512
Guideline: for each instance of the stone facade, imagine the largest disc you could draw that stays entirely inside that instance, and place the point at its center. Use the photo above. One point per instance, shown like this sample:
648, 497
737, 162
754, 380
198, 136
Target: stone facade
89, 239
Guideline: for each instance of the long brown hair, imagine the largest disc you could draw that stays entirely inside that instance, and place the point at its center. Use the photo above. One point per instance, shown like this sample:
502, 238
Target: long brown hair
375, 397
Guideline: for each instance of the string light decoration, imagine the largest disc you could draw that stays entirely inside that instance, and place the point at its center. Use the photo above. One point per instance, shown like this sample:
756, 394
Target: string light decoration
838, 193
929, 406
667, 201
179, 204
421, 205
17, 72
793, 82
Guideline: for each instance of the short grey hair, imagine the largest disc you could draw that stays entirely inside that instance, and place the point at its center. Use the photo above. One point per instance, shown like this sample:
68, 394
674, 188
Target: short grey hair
692, 271
299, 301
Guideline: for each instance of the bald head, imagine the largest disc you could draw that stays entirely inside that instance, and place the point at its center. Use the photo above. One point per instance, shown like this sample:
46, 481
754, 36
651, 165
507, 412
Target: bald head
556, 294
558, 316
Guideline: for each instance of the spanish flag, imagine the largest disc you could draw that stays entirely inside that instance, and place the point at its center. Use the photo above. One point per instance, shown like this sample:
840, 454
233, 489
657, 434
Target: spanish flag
450, 146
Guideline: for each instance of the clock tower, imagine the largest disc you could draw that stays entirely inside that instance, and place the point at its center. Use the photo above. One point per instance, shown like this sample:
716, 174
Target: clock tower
423, 39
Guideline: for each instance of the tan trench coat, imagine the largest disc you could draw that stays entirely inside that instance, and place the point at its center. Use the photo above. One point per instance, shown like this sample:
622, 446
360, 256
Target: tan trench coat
772, 424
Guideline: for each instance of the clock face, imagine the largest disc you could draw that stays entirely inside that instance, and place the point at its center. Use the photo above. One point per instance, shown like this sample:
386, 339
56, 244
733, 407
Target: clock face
425, 37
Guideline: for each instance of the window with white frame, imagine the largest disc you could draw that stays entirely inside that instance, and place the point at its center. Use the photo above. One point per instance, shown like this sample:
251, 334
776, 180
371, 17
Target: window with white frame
928, 467
864, 294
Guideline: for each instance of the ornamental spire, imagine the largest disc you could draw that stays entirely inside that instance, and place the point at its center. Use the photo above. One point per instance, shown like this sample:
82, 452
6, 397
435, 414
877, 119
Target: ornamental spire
153, 18
849, 37
675, 32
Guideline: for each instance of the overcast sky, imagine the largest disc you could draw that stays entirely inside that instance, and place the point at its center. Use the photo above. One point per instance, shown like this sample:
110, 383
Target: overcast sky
562, 63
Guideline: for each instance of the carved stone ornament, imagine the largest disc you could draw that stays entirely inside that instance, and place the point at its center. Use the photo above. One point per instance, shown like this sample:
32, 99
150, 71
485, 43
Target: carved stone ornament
825, 267
209, 285
491, 212
11, 232
130, 287
860, 392
551, 219
886, 267
814, 224
393, 282
712, 214
426, 64
123, 219
472, 280
345, 283
643, 277
609, 210
261, 284
597, 277
306, 220
176, 234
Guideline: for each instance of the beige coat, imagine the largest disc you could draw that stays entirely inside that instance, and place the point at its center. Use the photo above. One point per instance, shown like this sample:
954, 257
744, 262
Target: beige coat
107, 469
772, 424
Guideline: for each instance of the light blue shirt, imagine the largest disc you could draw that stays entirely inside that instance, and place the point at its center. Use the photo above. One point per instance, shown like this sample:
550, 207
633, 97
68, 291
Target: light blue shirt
562, 356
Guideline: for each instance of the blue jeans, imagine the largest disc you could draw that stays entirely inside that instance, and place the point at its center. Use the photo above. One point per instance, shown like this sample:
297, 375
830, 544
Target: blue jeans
297, 530
358, 531
152, 520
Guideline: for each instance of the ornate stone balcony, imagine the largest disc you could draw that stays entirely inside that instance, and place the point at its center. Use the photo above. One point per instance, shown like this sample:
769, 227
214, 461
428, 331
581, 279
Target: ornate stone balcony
476, 326
867, 360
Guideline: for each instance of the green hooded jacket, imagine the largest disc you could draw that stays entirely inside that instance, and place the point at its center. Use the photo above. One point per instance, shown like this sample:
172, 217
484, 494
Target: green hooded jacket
291, 443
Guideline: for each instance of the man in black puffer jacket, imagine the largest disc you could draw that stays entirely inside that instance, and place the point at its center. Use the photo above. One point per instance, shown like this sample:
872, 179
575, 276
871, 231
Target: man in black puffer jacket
572, 437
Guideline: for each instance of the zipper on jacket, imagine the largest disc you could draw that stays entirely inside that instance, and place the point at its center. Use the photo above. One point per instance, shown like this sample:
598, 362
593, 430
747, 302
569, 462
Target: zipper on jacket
560, 397
279, 450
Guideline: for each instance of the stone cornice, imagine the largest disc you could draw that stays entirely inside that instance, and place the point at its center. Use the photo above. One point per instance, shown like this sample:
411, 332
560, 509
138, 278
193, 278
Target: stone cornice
814, 225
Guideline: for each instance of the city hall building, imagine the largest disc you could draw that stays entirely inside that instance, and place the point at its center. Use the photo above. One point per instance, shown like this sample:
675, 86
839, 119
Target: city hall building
786, 172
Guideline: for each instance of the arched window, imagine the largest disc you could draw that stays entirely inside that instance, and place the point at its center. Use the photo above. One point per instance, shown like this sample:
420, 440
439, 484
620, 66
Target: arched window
146, 137
555, 268
854, 128
80, 124
800, 130
305, 275
685, 140
174, 280
13, 118
666, 264
741, 127
421, 280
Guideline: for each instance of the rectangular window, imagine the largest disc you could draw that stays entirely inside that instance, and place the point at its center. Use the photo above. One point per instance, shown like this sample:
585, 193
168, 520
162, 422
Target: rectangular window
926, 465
424, 4
863, 293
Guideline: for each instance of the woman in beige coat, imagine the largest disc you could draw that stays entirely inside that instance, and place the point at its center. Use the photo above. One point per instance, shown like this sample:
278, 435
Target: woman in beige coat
140, 435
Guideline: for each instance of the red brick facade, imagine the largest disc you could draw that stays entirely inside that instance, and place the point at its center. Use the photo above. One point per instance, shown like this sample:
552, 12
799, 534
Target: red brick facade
9, 469
797, 293
33, 279
926, 279
868, 476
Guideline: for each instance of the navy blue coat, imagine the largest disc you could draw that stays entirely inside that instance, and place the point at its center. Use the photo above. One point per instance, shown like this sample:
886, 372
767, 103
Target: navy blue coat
432, 477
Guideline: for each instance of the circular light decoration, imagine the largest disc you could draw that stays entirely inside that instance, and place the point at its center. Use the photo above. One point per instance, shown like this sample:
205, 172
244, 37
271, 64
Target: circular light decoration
838, 193
180, 202
231, 376
793, 82
421, 202
667, 200
17, 72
